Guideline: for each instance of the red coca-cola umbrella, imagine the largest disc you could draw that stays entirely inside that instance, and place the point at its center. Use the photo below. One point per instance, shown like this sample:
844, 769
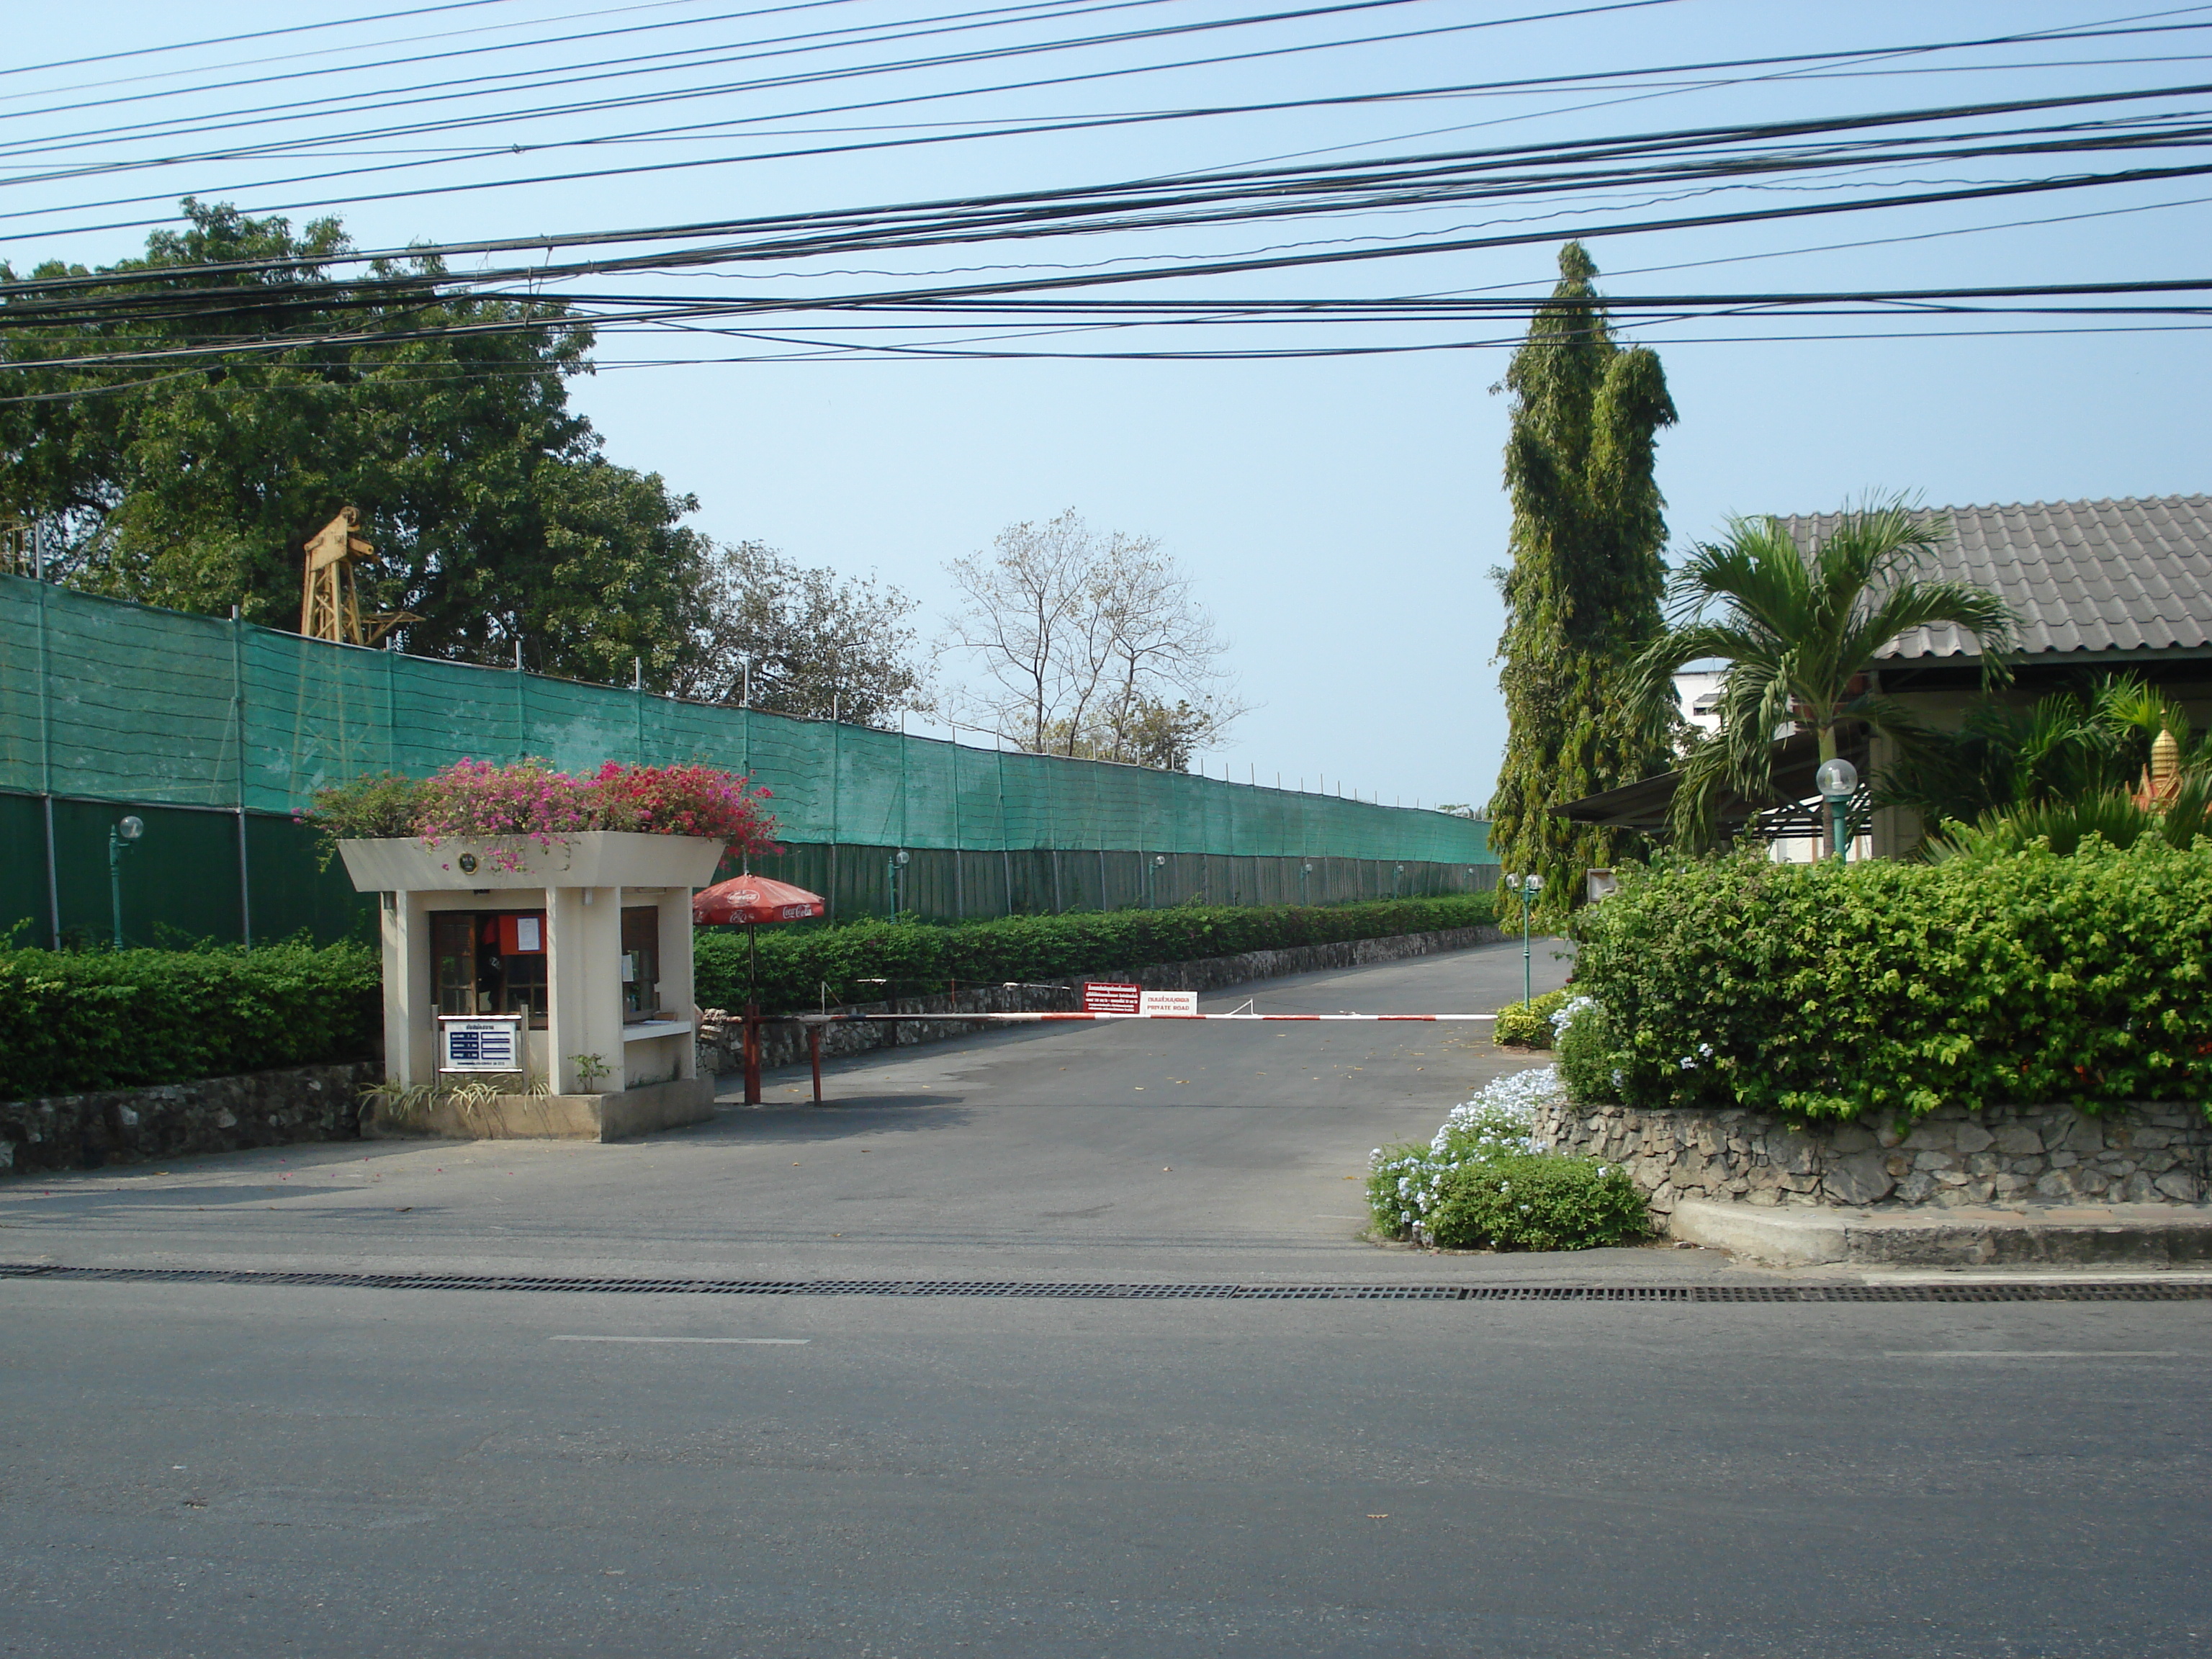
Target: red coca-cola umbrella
752, 899
748, 901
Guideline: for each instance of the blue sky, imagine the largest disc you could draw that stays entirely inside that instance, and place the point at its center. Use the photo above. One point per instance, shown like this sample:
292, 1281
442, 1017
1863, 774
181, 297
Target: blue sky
1341, 515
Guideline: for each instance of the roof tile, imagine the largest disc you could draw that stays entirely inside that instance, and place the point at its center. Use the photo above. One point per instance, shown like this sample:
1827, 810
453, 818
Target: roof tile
2124, 576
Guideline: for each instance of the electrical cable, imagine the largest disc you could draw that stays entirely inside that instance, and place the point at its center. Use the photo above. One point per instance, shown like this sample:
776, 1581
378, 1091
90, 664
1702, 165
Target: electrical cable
254, 34
387, 99
1063, 210
569, 74
1041, 125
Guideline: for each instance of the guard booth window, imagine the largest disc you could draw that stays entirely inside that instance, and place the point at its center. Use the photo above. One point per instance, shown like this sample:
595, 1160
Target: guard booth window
490, 962
641, 961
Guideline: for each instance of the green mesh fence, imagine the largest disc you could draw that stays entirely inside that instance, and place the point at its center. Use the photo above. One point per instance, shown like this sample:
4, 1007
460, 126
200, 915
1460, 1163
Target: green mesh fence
104, 703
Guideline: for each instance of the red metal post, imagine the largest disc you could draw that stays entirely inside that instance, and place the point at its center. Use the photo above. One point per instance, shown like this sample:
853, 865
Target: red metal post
752, 1054
814, 1052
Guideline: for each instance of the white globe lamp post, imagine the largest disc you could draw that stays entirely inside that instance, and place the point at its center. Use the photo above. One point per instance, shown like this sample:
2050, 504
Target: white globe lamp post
1837, 780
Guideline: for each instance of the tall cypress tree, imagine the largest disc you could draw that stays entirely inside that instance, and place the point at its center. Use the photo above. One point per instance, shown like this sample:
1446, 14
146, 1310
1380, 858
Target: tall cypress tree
1583, 593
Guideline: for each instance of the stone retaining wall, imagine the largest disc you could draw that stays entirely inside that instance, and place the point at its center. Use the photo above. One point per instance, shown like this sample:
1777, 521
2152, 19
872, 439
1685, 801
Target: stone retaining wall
786, 1045
215, 1114
2006, 1155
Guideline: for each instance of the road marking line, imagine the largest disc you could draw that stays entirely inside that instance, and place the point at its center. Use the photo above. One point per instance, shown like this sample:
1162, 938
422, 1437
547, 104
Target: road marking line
2032, 1353
757, 1341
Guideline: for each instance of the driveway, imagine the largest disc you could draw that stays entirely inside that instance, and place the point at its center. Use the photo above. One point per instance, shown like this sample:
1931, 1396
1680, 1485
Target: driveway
191, 1467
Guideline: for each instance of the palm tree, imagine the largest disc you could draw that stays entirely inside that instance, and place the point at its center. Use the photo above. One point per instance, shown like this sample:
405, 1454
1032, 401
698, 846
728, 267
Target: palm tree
1799, 627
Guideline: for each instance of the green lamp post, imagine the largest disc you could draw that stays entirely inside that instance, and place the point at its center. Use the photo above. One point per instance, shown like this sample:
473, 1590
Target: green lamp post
1837, 780
121, 834
1527, 887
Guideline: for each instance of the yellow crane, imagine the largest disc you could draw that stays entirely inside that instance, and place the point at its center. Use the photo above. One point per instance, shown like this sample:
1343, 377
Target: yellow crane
329, 605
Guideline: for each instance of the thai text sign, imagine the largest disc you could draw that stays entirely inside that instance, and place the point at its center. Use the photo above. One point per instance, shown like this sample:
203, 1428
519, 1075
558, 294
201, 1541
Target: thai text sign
1104, 997
486, 1043
1170, 1004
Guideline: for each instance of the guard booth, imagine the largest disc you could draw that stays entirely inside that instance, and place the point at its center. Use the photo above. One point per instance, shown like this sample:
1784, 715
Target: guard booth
557, 972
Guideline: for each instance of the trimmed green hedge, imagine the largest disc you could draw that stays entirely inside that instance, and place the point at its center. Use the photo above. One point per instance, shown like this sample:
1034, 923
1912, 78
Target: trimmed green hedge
1836, 991
917, 957
72, 1024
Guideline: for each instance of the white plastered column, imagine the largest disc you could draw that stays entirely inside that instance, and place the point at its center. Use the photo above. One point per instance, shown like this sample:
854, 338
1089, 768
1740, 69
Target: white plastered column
678, 995
411, 1026
583, 948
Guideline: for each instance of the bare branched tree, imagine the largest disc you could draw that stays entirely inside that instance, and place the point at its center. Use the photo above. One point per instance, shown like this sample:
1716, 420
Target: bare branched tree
1091, 644
794, 641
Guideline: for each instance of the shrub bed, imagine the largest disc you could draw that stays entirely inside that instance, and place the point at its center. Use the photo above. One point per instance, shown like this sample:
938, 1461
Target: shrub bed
1480, 1184
72, 1024
1837, 992
1529, 1025
913, 955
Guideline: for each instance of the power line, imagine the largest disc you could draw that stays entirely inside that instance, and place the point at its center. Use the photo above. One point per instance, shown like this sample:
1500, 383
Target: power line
1258, 192
423, 57
568, 74
396, 97
254, 34
1038, 126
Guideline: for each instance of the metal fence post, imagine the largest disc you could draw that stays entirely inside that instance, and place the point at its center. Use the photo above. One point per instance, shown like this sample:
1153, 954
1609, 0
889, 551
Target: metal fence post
238, 728
47, 770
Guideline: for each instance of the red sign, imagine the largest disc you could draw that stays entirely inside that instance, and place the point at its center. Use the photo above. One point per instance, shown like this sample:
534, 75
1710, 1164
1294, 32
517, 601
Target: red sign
1102, 997
522, 935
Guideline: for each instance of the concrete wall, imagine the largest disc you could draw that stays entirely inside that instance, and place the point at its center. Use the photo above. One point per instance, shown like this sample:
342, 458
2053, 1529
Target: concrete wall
2014, 1156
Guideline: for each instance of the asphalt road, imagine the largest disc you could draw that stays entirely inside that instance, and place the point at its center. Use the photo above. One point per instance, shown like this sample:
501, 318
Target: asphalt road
227, 1469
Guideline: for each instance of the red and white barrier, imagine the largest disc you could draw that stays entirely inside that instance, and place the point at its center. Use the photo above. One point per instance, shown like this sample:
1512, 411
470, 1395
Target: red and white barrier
1039, 1018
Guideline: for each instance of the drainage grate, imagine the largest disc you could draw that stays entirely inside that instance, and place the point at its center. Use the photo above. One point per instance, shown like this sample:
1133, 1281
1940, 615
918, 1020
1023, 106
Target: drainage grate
2089, 1291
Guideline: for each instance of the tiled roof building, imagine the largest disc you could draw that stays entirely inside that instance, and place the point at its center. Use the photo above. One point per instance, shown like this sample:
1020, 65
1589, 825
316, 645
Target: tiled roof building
2093, 583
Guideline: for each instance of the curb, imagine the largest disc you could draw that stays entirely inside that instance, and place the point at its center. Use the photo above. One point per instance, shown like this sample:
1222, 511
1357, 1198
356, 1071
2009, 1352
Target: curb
2151, 1235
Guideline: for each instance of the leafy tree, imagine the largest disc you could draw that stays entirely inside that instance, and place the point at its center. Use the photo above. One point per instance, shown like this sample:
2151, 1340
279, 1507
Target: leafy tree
1583, 590
801, 641
1164, 736
495, 516
1799, 628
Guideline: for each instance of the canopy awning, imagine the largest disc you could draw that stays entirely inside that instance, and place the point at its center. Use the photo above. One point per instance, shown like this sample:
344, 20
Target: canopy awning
1643, 806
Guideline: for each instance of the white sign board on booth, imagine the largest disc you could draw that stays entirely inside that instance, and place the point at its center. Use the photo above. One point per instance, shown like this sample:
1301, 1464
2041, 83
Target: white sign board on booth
480, 1042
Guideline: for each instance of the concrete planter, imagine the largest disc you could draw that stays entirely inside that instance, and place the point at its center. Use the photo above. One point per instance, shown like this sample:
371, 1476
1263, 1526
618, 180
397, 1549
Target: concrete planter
590, 858
552, 1117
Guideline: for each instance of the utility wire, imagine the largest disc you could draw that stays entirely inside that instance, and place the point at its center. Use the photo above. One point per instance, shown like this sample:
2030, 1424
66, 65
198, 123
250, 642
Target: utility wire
254, 34
446, 91
983, 132
1210, 198
540, 75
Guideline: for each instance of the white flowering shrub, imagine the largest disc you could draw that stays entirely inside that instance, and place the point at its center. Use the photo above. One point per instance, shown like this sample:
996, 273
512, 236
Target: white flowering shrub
1563, 1016
1483, 1181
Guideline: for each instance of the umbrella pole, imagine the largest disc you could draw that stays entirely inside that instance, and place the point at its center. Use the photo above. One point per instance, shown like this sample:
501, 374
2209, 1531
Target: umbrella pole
752, 1021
